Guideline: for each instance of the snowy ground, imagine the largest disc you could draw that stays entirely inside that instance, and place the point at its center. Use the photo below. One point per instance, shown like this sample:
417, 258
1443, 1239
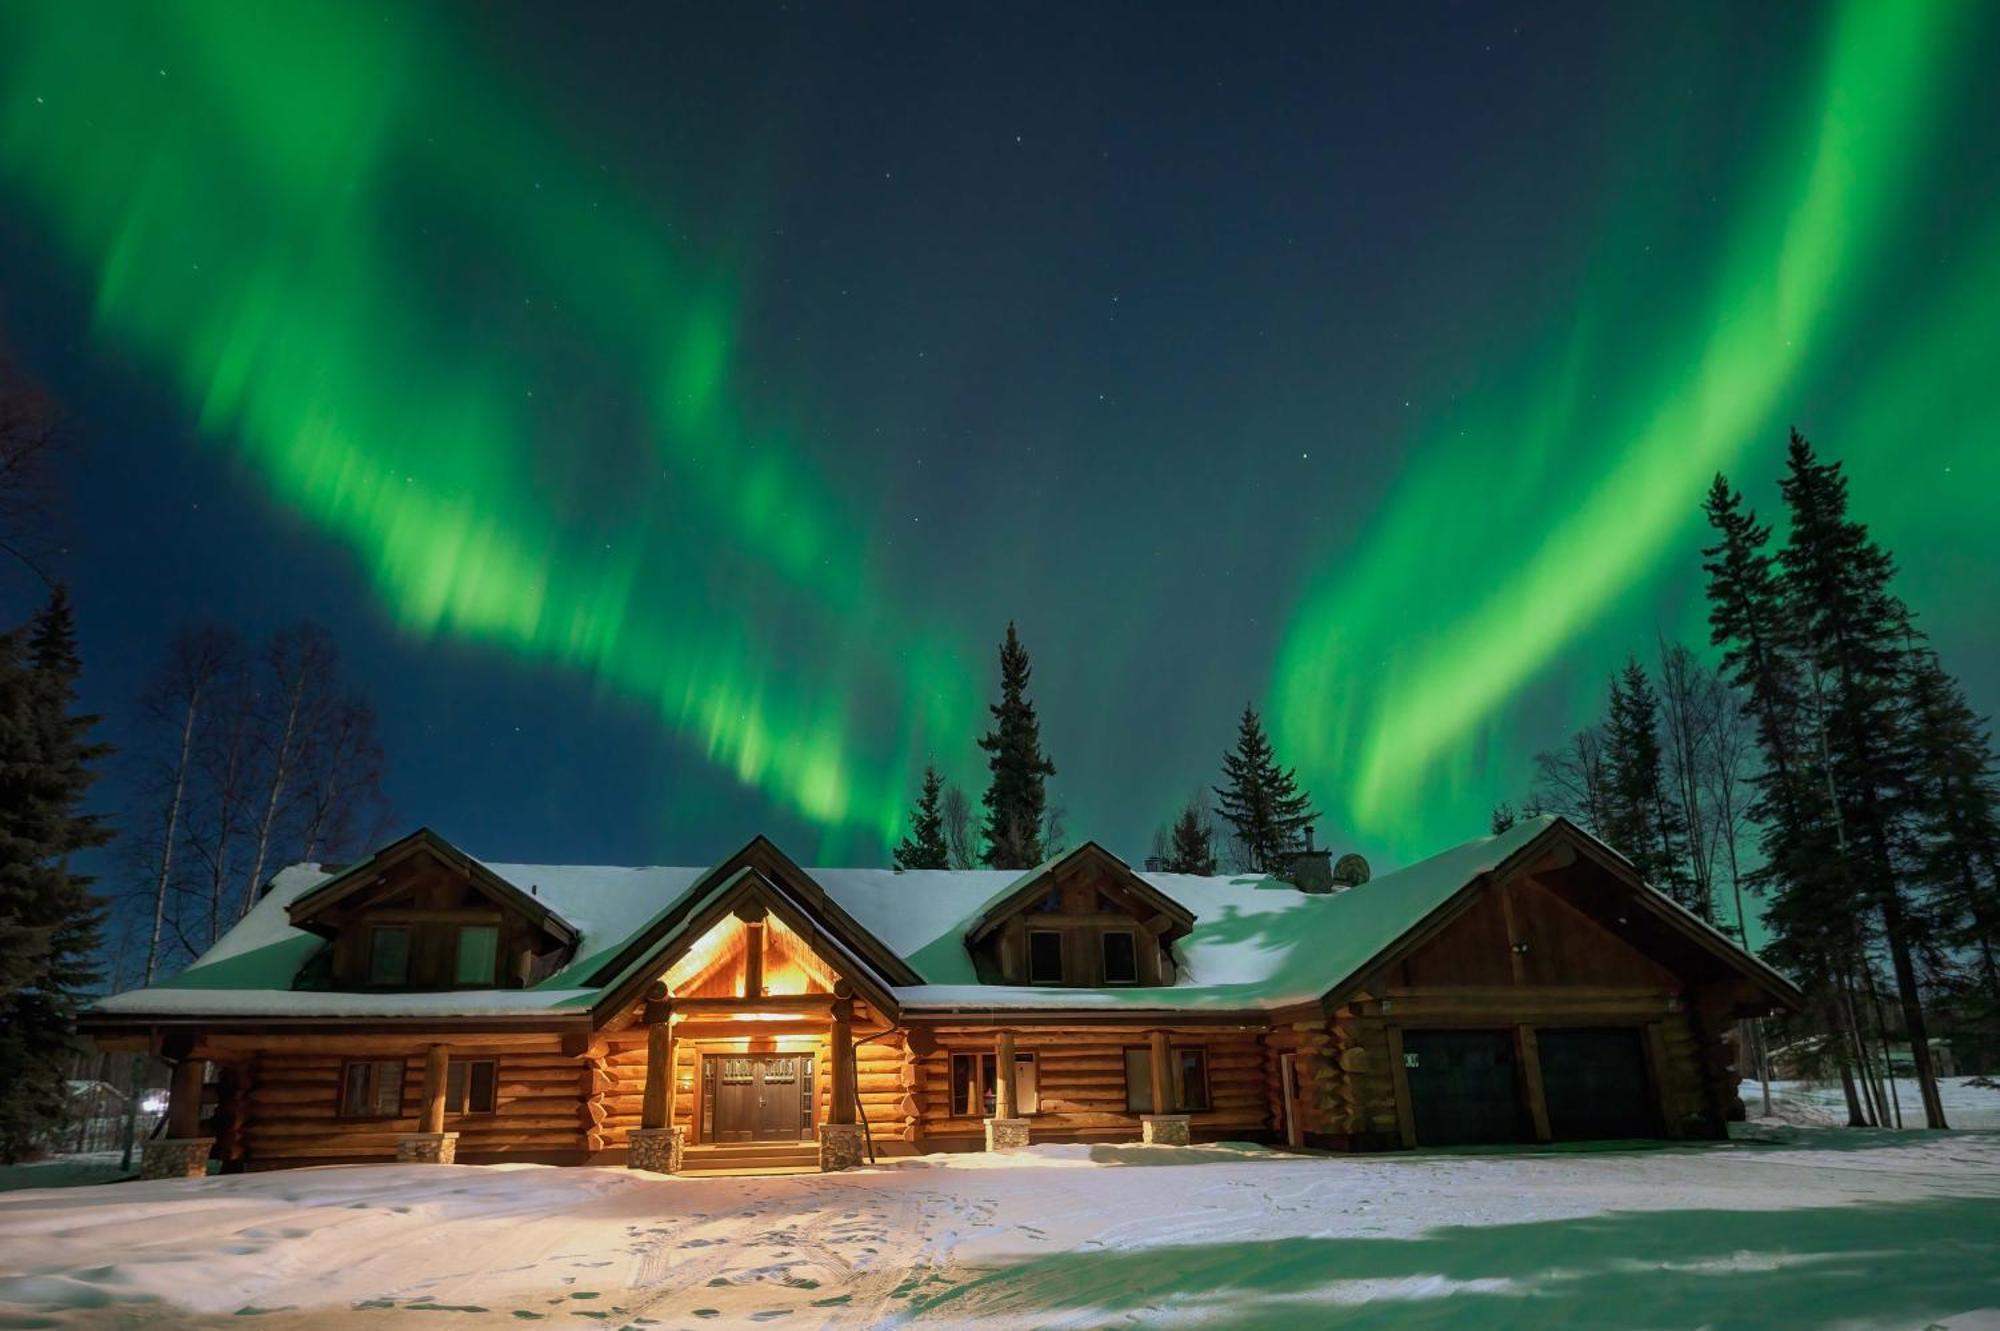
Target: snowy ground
1810, 1227
1965, 1105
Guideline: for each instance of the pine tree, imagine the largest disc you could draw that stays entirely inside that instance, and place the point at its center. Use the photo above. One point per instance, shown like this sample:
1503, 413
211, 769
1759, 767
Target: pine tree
1261, 802
1645, 821
924, 847
1191, 843
1016, 798
1854, 633
1957, 838
48, 919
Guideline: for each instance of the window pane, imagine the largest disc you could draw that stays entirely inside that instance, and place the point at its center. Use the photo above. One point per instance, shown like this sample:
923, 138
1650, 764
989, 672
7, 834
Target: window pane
1194, 1078
1027, 1088
1121, 959
354, 1090
477, 946
1044, 956
454, 1088
1138, 1081
388, 1089
388, 956
963, 1087
989, 1090
485, 1075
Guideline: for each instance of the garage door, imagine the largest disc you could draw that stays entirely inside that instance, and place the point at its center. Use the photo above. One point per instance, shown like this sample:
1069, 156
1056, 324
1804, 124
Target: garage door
1462, 1087
1595, 1082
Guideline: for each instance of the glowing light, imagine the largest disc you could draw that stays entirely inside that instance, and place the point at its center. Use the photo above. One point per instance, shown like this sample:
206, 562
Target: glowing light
1526, 520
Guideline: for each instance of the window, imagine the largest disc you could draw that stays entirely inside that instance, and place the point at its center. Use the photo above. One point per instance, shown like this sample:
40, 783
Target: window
388, 955
371, 1090
1193, 1078
1190, 1071
1121, 957
974, 1091
469, 1086
1045, 959
1050, 903
478, 947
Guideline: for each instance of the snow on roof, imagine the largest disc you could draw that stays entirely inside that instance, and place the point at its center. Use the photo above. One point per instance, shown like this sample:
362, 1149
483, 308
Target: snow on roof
1257, 942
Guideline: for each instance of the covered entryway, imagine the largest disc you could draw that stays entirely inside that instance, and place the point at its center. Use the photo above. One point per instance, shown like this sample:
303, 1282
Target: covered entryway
756, 1097
1463, 1087
1596, 1084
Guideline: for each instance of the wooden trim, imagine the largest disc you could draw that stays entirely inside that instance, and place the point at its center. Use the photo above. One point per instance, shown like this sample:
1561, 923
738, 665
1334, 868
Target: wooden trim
1406, 1114
1160, 1068
1180, 918
768, 1003
437, 1062
1528, 1057
1517, 961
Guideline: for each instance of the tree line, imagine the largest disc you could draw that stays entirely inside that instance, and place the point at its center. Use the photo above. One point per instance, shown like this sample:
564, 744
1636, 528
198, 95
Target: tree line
1263, 812
237, 762
1829, 765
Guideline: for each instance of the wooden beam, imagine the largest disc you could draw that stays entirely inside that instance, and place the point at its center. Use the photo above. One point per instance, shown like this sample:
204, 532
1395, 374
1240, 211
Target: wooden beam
1399, 1077
184, 1098
1656, 1070
1517, 960
753, 959
841, 1091
768, 1003
1004, 1105
437, 1065
1160, 1061
657, 1109
1528, 1053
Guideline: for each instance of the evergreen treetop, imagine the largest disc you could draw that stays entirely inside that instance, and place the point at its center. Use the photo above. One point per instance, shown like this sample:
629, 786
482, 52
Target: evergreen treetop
925, 846
1016, 798
1261, 801
1191, 843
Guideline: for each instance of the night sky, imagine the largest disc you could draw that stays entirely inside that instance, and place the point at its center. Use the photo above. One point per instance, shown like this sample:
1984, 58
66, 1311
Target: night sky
668, 406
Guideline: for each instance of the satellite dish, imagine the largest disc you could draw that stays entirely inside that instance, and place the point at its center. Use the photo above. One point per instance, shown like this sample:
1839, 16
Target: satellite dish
1350, 871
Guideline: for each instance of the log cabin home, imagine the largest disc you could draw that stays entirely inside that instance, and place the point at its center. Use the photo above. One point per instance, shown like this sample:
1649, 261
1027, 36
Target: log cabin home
424, 1005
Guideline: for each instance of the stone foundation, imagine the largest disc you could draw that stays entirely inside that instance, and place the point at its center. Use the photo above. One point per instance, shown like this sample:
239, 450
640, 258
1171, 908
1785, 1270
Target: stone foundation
659, 1150
427, 1148
840, 1146
1006, 1134
175, 1157
1164, 1130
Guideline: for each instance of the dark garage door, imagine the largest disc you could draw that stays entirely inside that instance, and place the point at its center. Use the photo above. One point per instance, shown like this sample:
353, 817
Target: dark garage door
1462, 1087
1595, 1082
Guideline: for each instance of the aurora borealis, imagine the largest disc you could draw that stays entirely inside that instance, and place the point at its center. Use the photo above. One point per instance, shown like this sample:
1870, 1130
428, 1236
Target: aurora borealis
713, 388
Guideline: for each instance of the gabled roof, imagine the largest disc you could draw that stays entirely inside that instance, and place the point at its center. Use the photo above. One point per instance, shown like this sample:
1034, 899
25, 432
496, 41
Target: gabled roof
357, 878
1017, 894
1255, 944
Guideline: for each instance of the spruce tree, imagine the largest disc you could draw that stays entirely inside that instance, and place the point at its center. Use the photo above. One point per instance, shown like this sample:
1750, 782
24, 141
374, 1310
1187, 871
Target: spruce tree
48, 919
1855, 634
1016, 797
1266, 811
1956, 859
1645, 821
1191, 843
924, 847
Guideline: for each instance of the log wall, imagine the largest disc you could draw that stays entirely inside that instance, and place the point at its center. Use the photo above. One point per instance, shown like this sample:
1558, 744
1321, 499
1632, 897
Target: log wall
292, 1109
1081, 1080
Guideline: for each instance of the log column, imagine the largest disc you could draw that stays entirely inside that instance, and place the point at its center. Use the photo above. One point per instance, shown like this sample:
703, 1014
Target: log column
183, 1152
656, 1143
430, 1144
1163, 1127
1006, 1130
753, 950
840, 1137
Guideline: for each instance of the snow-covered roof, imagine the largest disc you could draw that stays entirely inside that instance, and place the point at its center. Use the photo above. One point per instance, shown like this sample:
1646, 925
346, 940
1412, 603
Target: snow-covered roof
1257, 943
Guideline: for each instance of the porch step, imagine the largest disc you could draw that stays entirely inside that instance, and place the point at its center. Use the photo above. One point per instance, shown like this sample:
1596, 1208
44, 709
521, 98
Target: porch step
751, 1157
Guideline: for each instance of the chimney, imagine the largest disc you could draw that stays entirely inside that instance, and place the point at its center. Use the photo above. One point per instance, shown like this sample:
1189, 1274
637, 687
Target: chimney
1310, 869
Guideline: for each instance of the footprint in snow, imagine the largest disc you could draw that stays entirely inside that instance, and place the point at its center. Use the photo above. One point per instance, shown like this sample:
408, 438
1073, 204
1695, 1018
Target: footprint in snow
770, 1314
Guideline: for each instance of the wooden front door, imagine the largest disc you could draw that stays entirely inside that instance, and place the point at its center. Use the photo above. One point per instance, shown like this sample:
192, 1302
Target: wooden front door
756, 1097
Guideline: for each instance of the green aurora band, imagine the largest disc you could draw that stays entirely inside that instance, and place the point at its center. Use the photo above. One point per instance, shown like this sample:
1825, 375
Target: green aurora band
228, 174
248, 191
1530, 519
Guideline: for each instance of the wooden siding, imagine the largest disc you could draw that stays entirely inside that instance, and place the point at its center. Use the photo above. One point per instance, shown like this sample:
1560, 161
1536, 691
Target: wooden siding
1081, 1082
292, 1108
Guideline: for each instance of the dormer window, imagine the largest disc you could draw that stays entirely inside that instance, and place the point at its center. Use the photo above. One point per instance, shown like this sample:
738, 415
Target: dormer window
478, 949
1045, 957
388, 955
1050, 904
1121, 957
